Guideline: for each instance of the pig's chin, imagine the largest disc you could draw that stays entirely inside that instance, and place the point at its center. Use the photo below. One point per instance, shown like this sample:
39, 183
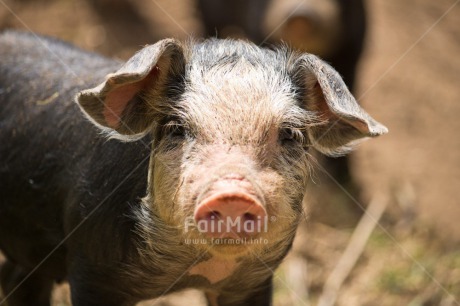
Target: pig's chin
230, 250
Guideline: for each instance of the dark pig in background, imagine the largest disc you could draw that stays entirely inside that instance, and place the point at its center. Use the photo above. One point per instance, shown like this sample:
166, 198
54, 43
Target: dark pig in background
186, 168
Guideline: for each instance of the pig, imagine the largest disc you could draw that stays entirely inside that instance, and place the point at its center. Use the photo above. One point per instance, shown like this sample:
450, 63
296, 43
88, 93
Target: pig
184, 167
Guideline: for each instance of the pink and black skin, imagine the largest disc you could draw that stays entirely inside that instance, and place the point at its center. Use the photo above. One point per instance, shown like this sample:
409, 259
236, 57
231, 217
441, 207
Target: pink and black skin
102, 192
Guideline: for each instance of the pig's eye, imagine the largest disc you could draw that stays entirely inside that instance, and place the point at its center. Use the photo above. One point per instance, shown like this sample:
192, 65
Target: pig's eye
174, 129
287, 135
290, 136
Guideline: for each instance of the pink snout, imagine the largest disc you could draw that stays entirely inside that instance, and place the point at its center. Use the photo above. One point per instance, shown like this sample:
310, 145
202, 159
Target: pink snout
230, 215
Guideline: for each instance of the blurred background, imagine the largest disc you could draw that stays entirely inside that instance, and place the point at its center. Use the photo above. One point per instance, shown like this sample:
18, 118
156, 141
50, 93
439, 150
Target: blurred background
401, 60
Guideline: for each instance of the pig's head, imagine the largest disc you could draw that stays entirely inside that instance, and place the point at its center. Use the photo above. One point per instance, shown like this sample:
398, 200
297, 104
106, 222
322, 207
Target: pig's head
232, 125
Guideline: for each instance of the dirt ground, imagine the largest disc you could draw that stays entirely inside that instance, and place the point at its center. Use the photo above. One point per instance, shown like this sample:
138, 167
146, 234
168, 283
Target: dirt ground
409, 80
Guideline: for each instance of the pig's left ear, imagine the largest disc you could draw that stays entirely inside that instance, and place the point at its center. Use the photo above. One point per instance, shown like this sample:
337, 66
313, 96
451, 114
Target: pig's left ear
341, 120
126, 100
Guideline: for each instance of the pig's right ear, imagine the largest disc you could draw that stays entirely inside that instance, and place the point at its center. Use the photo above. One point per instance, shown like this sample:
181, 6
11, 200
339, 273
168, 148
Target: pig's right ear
341, 121
126, 100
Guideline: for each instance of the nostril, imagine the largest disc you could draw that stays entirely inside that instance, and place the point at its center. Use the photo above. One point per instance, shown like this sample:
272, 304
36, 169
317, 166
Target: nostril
213, 215
249, 217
